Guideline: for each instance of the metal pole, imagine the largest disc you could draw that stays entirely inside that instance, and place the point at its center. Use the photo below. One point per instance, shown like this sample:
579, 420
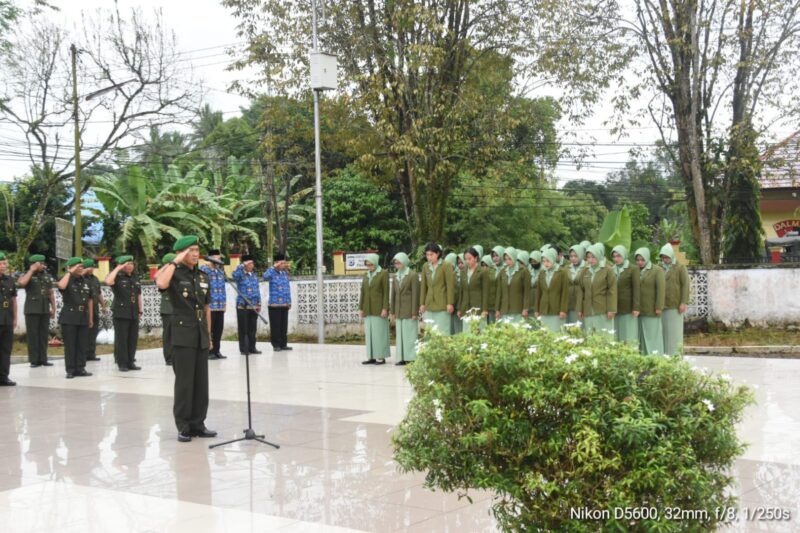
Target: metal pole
78, 229
318, 197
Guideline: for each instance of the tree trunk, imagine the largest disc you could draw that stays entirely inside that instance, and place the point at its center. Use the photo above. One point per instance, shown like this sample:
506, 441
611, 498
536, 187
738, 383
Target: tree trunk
36, 223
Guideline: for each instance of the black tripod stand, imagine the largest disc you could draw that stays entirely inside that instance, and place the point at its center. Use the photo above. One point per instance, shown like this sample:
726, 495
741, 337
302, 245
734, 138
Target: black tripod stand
249, 433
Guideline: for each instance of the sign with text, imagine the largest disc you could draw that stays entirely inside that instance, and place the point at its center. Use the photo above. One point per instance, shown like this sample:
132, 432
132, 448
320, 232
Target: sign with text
63, 238
355, 261
785, 226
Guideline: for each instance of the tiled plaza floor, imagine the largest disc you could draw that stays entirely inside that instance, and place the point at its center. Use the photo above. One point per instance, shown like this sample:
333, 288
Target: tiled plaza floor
100, 453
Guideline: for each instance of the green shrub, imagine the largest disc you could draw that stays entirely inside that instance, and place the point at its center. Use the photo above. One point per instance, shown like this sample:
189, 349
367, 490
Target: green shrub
554, 424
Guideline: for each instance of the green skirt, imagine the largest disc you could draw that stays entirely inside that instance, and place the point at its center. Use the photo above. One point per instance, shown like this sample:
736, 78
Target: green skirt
672, 322
456, 326
376, 331
572, 317
627, 328
651, 335
552, 322
598, 325
407, 333
440, 320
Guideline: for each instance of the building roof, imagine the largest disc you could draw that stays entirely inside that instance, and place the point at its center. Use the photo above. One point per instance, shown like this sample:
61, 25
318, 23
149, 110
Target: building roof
782, 164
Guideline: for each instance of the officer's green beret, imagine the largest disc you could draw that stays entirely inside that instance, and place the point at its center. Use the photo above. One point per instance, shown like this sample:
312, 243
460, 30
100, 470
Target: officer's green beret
167, 258
88, 263
74, 261
184, 242
2, 256
123, 259
36, 258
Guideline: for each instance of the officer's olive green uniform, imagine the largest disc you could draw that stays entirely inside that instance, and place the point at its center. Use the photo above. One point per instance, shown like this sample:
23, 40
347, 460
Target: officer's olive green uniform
94, 289
166, 326
8, 291
74, 320
126, 318
37, 316
190, 294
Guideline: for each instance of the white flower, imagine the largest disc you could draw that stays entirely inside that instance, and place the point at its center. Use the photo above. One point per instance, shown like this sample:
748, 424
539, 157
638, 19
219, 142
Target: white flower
532, 349
436, 402
575, 341
724, 377
594, 363
562, 339
484, 346
438, 414
430, 383
709, 405
586, 352
570, 358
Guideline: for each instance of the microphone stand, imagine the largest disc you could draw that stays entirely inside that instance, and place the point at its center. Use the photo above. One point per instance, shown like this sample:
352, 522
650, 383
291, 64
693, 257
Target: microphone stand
249, 433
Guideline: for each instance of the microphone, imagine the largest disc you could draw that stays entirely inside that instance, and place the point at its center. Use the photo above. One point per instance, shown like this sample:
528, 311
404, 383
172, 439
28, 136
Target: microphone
215, 261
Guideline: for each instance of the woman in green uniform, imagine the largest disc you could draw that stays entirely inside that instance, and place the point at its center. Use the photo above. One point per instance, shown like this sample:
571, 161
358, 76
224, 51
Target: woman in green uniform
374, 308
404, 307
676, 298
552, 292
455, 322
514, 290
576, 265
651, 304
597, 293
534, 267
497, 256
478, 248
437, 293
626, 321
492, 275
474, 288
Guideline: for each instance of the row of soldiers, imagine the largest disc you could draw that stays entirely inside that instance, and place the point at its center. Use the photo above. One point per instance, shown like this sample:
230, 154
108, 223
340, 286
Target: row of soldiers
636, 302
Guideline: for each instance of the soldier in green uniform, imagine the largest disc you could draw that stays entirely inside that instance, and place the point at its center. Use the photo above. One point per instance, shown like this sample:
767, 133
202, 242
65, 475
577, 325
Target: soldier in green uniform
40, 307
166, 314
98, 300
474, 288
552, 292
626, 322
128, 308
190, 294
597, 293
373, 306
76, 317
676, 298
8, 320
437, 292
513, 290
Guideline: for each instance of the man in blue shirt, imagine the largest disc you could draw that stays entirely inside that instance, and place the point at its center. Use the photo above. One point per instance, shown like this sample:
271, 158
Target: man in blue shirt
280, 301
216, 277
247, 310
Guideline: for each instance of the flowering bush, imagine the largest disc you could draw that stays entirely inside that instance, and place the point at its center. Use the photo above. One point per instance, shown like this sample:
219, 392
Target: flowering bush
572, 434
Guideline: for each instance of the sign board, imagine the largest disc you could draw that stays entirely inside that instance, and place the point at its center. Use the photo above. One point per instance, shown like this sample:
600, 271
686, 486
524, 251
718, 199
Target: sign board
785, 226
355, 262
63, 238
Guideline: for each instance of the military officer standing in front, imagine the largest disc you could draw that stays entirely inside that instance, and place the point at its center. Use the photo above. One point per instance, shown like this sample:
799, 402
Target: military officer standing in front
8, 320
40, 307
99, 302
190, 293
76, 317
166, 314
128, 308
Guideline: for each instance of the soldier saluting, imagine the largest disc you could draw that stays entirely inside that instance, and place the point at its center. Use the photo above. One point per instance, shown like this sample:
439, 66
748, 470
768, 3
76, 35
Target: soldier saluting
127, 308
76, 318
8, 320
40, 307
190, 293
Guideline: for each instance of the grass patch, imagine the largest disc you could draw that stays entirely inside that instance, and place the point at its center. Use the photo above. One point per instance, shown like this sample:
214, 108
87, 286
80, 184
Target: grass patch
747, 336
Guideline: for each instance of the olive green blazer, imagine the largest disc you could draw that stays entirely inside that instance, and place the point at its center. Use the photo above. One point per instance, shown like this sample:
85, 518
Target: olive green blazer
491, 283
676, 289
554, 299
436, 293
628, 284
405, 296
652, 291
375, 295
514, 297
475, 292
573, 288
597, 297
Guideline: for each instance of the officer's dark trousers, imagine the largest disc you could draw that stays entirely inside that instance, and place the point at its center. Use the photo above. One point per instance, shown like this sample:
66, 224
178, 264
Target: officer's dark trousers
191, 387
75, 342
6, 342
278, 326
126, 335
38, 333
217, 323
166, 337
91, 342
247, 320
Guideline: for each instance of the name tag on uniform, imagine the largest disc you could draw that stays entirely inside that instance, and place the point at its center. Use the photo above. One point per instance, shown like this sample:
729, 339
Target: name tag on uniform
204, 285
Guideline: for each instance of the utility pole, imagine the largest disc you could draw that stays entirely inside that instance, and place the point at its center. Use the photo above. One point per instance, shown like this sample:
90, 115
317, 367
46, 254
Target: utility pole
78, 229
318, 198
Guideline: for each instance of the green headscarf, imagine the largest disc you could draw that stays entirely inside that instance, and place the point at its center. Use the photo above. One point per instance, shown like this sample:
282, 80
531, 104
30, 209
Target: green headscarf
551, 255
453, 260
462, 259
524, 258
373, 259
599, 251
545, 247
510, 271
585, 245
499, 250
669, 252
402, 258
536, 255
479, 249
580, 251
489, 262
621, 250
645, 253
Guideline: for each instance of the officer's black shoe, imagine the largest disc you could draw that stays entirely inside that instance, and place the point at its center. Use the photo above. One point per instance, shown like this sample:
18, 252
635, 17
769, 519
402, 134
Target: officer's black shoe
7, 383
35, 365
256, 352
123, 368
184, 436
134, 367
369, 362
244, 353
277, 349
220, 356
92, 358
380, 362
401, 363
47, 363
82, 374
212, 356
70, 375
286, 348
204, 433
168, 363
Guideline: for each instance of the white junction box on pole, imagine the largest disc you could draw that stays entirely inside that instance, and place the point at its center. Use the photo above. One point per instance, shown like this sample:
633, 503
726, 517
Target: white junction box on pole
323, 71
